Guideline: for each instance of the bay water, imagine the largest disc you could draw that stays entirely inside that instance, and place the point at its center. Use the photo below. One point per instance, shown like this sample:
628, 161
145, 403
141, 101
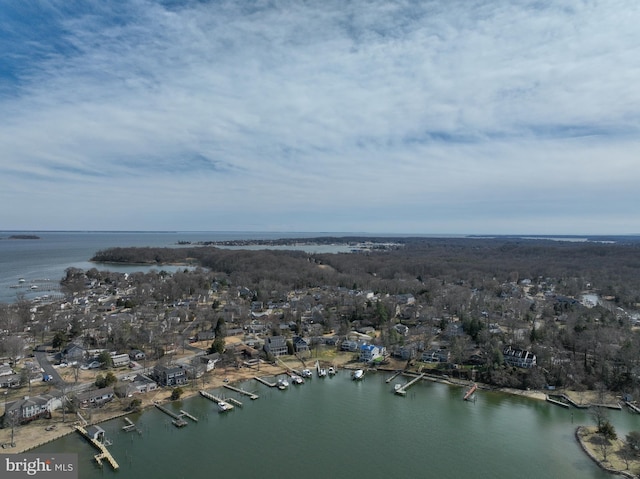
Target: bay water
335, 427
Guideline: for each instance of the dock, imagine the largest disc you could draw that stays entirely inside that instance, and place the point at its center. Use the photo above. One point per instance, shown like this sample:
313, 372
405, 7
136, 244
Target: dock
403, 390
556, 402
177, 421
186, 414
395, 375
633, 407
130, 426
215, 399
242, 391
234, 401
266, 383
104, 452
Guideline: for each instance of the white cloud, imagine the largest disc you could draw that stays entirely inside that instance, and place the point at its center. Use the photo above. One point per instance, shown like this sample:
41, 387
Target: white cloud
328, 116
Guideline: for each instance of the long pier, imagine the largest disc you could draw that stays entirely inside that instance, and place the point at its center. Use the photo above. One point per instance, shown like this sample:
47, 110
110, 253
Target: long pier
104, 452
251, 395
403, 390
266, 383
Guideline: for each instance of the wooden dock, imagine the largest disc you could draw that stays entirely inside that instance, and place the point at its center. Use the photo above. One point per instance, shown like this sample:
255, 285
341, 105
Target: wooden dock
633, 407
242, 391
177, 421
186, 414
403, 390
130, 426
395, 375
266, 383
234, 401
215, 399
104, 452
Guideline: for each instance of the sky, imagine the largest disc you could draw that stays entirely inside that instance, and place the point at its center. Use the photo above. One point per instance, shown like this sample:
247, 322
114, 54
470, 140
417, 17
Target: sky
379, 116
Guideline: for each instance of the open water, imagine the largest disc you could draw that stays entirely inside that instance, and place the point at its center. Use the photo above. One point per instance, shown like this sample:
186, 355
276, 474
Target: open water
336, 428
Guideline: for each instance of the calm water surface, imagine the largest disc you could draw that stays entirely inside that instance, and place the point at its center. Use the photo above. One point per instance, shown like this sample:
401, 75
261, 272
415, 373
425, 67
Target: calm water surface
335, 428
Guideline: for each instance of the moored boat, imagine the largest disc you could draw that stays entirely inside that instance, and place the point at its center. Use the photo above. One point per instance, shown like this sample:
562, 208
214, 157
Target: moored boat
283, 384
358, 374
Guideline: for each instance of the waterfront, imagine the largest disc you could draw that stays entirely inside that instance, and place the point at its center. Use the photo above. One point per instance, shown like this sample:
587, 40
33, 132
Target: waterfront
47, 258
335, 427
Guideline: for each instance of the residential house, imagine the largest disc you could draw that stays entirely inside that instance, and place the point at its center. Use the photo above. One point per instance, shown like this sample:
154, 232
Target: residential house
29, 409
209, 361
276, 345
351, 346
95, 398
120, 360
520, 358
300, 345
5, 370
436, 356
205, 336
136, 355
169, 375
73, 352
371, 352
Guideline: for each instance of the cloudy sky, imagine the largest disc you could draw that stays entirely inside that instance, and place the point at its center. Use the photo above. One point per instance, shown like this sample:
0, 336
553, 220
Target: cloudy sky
434, 117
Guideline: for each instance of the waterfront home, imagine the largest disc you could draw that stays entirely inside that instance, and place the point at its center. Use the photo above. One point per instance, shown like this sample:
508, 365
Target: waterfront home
95, 398
29, 409
276, 345
520, 358
371, 352
300, 345
169, 375
141, 384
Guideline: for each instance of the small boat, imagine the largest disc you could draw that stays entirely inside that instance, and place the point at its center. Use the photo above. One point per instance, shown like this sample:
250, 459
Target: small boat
358, 374
331, 371
224, 406
322, 372
283, 384
306, 373
297, 379
469, 394
397, 387
21, 280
